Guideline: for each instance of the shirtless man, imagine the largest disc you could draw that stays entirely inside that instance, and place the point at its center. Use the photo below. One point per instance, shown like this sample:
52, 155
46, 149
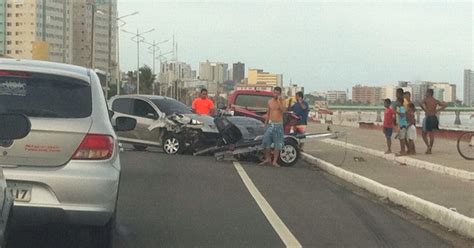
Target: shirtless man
430, 123
274, 133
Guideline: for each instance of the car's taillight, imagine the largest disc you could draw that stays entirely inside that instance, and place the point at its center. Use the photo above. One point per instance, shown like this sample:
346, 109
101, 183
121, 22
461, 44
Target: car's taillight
95, 147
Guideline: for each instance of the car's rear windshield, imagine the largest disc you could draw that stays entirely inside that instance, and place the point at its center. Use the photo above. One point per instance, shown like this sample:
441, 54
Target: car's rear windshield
44, 95
252, 101
171, 106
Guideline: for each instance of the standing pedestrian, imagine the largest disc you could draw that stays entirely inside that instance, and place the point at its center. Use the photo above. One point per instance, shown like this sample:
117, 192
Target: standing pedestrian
301, 110
274, 128
431, 123
388, 119
400, 110
203, 105
406, 99
411, 130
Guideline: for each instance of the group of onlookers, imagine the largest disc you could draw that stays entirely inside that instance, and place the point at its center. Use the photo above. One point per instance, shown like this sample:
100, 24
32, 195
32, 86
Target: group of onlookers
400, 116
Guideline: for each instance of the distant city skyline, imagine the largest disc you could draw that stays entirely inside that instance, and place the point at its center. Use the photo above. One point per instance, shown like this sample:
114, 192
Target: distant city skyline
320, 45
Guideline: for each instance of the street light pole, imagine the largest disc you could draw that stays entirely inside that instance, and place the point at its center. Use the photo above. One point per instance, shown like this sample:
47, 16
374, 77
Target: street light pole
138, 63
160, 57
154, 46
117, 62
138, 37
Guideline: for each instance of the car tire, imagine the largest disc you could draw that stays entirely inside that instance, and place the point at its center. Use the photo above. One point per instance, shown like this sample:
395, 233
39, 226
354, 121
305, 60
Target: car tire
172, 144
140, 147
289, 154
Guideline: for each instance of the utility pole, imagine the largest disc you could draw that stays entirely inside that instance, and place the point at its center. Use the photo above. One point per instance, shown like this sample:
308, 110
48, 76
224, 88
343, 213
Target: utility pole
117, 48
138, 62
154, 46
138, 37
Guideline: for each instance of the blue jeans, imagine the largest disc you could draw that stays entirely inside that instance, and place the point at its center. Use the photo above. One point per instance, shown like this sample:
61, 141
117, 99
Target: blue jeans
274, 134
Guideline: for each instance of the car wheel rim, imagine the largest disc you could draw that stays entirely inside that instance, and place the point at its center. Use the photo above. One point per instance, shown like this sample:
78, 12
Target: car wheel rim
172, 146
288, 154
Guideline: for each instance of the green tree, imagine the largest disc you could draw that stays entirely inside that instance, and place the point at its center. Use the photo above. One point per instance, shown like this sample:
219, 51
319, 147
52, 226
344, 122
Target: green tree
146, 79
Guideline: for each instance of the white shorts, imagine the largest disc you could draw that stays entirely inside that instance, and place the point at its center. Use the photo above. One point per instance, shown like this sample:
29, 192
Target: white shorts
411, 133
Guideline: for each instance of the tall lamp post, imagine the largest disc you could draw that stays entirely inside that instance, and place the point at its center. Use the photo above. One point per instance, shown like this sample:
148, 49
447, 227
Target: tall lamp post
138, 37
162, 55
117, 62
154, 46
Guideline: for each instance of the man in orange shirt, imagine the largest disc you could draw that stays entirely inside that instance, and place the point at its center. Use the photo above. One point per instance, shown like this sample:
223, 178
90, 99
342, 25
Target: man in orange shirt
203, 105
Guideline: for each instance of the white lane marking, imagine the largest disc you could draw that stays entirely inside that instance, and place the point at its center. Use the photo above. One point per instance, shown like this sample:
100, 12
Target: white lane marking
285, 234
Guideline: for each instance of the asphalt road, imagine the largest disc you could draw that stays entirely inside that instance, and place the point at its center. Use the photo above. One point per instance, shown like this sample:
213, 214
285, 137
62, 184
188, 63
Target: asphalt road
185, 201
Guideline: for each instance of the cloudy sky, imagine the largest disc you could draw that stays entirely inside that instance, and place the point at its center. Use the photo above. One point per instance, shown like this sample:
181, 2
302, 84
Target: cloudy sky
322, 45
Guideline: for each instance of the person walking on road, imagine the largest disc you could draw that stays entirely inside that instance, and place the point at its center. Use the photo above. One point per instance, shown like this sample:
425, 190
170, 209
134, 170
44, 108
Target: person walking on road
388, 120
274, 134
430, 123
202, 105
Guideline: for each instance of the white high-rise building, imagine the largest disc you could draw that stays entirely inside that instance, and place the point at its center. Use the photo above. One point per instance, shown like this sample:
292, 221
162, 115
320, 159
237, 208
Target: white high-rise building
449, 91
213, 71
40, 30
469, 87
389, 91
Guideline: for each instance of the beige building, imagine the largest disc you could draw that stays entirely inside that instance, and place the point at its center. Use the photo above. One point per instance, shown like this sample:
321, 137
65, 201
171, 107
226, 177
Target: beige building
60, 31
449, 91
82, 37
366, 94
213, 72
336, 96
260, 77
36, 31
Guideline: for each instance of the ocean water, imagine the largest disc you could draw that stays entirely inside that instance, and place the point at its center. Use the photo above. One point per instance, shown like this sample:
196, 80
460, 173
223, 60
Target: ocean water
446, 118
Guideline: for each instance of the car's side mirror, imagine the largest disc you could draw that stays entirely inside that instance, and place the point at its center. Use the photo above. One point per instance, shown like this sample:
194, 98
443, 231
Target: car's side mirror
14, 126
123, 124
111, 114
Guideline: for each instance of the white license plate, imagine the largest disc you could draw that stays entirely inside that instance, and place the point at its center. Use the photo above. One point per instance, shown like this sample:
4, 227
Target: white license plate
21, 192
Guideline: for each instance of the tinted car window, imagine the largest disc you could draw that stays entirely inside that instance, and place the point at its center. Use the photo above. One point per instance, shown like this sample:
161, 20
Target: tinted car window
43, 95
123, 106
252, 101
171, 106
142, 108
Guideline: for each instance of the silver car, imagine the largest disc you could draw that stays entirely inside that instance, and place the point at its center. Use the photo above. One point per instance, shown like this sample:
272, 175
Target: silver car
68, 168
168, 123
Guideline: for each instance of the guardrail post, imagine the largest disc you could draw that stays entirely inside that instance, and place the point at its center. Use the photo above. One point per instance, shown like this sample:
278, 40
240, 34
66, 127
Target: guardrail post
457, 121
359, 118
379, 116
418, 114
339, 113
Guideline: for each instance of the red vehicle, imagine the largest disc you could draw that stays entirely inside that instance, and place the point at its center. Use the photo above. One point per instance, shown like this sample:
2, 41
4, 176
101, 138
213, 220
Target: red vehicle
250, 103
253, 103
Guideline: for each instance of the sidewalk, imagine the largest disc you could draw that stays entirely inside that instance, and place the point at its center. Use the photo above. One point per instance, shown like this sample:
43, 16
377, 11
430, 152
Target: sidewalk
444, 151
441, 189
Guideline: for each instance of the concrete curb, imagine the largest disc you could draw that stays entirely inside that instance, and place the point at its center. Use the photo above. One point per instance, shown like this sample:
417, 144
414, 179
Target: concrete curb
467, 175
447, 218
